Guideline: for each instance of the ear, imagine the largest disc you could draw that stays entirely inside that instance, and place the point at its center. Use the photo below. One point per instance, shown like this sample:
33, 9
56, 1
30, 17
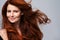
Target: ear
21, 13
28, 1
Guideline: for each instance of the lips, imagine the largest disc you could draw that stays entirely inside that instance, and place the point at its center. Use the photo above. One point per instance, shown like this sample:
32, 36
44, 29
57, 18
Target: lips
12, 18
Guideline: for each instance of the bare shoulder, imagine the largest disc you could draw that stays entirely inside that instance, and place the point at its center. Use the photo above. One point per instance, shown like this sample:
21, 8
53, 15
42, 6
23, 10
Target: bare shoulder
3, 34
2, 31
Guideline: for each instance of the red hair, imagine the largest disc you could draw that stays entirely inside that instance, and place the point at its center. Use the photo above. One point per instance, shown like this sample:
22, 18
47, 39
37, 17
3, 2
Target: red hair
28, 22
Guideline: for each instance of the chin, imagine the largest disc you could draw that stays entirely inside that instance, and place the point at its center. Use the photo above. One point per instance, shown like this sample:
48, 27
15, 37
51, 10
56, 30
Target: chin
12, 21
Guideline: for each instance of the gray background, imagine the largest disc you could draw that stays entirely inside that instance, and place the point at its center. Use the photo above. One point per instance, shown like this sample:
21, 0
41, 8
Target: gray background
52, 9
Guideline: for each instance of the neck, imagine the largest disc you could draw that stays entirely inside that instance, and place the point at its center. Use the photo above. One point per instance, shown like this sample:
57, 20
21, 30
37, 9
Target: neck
16, 24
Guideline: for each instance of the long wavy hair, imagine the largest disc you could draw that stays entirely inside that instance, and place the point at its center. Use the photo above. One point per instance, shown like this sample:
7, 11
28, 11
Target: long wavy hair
28, 22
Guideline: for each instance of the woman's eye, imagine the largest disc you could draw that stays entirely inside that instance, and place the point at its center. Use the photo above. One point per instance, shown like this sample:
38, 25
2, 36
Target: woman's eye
8, 11
15, 11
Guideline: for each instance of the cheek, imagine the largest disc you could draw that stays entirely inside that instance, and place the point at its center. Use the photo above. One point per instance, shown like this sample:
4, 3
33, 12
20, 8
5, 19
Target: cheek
17, 15
7, 14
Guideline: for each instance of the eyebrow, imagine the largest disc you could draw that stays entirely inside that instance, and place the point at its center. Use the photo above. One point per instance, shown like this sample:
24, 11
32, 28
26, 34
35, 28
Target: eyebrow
13, 10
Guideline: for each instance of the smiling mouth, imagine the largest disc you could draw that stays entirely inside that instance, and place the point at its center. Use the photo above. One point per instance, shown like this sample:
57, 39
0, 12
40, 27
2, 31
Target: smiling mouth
12, 19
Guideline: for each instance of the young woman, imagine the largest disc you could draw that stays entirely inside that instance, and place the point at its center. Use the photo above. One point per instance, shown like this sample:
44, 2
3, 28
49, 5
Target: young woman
20, 22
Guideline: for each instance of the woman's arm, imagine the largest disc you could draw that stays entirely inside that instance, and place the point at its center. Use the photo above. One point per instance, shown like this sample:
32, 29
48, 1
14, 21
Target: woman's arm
3, 34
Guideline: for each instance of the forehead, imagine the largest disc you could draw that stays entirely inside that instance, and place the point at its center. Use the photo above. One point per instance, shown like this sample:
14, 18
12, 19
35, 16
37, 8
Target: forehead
11, 7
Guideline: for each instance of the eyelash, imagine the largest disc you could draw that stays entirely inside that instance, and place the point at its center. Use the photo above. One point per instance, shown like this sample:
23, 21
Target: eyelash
16, 11
13, 11
8, 11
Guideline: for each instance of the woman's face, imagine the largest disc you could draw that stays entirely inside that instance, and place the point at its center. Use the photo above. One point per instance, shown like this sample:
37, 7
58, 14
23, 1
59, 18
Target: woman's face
13, 13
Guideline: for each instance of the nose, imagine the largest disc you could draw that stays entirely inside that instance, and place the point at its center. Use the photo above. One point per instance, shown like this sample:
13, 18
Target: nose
12, 14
